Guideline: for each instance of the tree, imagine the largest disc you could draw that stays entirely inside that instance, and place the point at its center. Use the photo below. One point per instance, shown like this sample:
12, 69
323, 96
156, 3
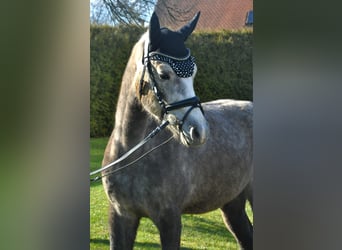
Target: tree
176, 12
138, 12
130, 11
99, 13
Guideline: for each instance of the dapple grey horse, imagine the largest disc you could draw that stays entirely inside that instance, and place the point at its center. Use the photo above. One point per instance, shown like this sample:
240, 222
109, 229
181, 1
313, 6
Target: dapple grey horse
207, 163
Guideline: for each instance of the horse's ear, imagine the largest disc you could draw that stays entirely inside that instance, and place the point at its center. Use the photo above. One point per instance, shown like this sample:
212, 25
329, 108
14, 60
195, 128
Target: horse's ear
187, 29
154, 32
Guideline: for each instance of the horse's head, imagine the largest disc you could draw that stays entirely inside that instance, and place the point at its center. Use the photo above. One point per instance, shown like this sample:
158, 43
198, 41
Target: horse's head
166, 86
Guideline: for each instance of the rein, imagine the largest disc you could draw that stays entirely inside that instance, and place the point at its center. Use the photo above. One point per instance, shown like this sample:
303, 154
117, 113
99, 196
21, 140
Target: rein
131, 151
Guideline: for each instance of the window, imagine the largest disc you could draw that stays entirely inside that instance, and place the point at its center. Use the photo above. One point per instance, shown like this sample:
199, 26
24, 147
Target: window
249, 18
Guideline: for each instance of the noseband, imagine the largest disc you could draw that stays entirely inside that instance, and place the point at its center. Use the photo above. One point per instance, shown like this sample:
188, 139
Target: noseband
183, 67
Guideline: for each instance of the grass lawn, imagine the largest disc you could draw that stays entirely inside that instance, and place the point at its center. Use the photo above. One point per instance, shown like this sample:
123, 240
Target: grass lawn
205, 231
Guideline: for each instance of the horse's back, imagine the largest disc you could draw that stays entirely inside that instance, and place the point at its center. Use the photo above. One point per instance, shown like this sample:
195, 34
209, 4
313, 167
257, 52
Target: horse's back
231, 123
234, 108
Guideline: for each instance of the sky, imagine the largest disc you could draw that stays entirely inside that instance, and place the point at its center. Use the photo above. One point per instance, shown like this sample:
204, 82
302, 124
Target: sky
105, 16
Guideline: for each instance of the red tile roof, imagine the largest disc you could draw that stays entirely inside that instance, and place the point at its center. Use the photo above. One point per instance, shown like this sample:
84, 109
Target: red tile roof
215, 14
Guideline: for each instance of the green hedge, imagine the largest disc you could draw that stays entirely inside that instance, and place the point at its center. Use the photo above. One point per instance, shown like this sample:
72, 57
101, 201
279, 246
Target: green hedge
224, 61
109, 52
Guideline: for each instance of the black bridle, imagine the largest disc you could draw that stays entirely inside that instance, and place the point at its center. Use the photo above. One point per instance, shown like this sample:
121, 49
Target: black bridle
192, 102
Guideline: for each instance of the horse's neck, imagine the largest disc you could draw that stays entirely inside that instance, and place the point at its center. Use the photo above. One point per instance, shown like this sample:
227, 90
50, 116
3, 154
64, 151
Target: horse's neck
130, 121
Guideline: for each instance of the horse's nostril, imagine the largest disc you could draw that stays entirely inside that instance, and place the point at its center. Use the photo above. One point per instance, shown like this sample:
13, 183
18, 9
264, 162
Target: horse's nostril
194, 134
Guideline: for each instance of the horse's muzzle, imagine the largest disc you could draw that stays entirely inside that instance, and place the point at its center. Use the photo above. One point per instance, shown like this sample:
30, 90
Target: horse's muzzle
194, 135
195, 129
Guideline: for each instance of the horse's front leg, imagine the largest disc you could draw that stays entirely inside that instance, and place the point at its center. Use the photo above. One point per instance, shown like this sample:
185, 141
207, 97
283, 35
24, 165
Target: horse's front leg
169, 225
123, 230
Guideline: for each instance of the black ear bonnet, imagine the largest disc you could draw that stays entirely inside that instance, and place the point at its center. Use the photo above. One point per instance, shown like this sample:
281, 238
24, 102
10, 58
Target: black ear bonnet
168, 46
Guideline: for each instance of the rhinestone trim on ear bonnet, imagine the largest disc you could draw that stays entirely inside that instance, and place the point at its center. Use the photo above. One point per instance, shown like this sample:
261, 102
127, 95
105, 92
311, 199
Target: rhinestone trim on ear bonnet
183, 67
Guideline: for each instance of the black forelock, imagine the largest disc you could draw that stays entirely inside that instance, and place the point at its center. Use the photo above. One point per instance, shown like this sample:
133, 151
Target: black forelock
172, 43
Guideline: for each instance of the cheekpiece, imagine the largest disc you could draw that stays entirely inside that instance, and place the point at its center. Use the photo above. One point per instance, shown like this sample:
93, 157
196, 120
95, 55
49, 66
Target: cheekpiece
183, 67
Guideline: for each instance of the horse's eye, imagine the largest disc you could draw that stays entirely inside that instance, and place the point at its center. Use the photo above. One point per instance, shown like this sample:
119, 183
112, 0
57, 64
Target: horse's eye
164, 76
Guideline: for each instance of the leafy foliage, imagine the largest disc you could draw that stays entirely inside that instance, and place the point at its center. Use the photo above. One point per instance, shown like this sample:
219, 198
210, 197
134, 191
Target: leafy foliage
109, 52
224, 61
